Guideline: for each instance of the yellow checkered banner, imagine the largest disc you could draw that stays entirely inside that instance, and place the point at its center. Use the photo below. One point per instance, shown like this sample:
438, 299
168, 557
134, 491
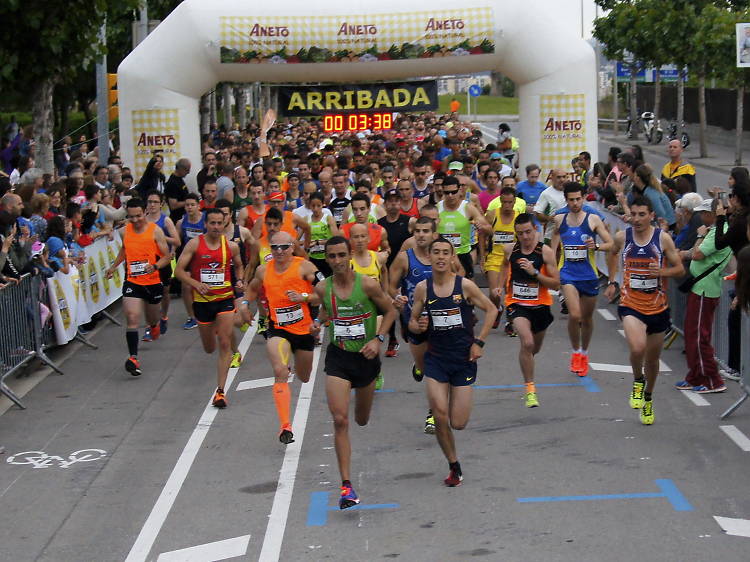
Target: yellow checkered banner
155, 131
352, 38
562, 120
76, 296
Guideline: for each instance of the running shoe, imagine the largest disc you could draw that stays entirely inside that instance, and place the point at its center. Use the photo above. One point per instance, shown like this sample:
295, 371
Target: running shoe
702, 389
575, 363
244, 328
219, 401
236, 360
563, 307
379, 381
417, 374
349, 497
647, 412
683, 385
429, 424
133, 367
730, 374
509, 331
286, 436
392, 350
531, 400
454, 479
189, 324
147, 336
155, 332
496, 323
262, 325
669, 337
163, 325
636, 395
584, 364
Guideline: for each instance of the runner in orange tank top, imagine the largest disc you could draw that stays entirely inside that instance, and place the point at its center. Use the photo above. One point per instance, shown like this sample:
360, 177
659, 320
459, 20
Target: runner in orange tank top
206, 265
287, 281
291, 224
250, 214
642, 250
145, 251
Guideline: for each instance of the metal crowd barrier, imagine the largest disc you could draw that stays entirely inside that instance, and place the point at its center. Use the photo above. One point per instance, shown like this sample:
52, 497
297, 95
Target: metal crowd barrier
22, 336
744, 369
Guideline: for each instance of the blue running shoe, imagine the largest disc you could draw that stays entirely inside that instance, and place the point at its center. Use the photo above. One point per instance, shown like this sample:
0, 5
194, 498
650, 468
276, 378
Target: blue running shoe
189, 324
147, 336
163, 326
348, 497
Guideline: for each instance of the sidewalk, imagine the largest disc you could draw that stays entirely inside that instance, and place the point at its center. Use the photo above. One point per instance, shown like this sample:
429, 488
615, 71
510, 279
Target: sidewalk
720, 159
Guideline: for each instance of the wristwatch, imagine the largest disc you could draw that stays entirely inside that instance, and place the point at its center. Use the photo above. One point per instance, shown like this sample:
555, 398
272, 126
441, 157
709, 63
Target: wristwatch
380, 337
479, 342
596, 247
305, 296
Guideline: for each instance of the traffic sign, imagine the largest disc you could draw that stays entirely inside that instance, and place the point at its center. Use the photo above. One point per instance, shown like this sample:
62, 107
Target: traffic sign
475, 90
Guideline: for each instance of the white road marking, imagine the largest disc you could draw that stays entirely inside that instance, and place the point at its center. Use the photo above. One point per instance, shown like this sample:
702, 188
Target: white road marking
209, 552
696, 399
282, 499
736, 527
613, 368
621, 332
740, 439
606, 314
257, 383
146, 538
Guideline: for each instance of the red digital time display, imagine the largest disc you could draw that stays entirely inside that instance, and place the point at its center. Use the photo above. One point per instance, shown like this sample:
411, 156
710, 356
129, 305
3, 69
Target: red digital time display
337, 122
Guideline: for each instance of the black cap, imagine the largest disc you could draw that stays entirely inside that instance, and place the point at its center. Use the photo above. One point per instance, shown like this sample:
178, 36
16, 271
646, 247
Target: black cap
391, 193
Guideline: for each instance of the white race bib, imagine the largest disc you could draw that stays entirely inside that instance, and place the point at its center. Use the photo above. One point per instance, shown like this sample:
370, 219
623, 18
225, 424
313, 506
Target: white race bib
502, 237
192, 233
349, 329
289, 315
643, 283
525, 291
454, 238
446, 319
317, 248
138, 267
212, 277
576, 253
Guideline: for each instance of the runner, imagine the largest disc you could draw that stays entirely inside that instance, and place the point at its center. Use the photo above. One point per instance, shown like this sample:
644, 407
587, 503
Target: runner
450, 361
287, 282
579, 277
144, 249
154, 205
641, 250
205, 265
456, 218
378, 237
530, 270
408, 269
409, 204
341, 197
322, 227
502, 220
291, 224
250, 214
191, 225
351, 303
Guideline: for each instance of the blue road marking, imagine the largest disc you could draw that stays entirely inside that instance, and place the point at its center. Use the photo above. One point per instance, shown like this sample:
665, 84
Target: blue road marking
668, 489
586, 382
317, 513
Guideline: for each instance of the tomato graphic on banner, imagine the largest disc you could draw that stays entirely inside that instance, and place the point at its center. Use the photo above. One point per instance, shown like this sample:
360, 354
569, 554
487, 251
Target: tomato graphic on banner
112, 255
92, 279
62, 304
103, 268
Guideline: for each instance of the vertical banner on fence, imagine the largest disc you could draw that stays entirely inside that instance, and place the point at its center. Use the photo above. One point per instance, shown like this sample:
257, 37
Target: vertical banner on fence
562, 119
76, 296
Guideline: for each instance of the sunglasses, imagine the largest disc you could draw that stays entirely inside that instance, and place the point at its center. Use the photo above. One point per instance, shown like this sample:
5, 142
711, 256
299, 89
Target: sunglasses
280, 247
420, 173
450, 191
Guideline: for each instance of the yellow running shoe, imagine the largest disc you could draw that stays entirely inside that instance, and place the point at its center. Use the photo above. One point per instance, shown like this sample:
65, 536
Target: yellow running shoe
236, 360
244, 327
636, 396
647, 412
531, 400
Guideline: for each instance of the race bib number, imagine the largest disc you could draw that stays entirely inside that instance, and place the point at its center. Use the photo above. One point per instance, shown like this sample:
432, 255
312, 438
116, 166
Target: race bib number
349, 329
454, 238
525, 291
212, 277
338, 214
138, 268
289, 315
643, 282
192, 233
576, 253
501, 237
317, 247
447, 319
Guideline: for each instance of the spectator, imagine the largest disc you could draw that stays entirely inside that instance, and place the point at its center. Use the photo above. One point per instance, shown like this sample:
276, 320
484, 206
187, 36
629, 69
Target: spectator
208, 170
56, 196
688, 221
15, 253
39, 208
57, 249
676, 167
152, 179
742, 283
176, 191
23, 163
101, 177
706, 267
93, 198
644, 183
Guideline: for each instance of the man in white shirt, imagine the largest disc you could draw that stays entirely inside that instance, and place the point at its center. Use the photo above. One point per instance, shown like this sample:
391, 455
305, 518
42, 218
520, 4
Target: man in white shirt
550, 201
308, 188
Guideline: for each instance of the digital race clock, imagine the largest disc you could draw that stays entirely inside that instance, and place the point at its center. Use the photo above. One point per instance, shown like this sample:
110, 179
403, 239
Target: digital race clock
337, 122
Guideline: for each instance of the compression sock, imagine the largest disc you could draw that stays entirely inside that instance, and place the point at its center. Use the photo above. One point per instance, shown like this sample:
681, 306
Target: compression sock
131, 336
346, 483
282, 397
455, 467
640, 379
647, 396
530, 387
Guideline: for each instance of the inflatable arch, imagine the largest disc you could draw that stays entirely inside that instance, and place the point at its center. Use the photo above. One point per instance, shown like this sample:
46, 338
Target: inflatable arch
202, 43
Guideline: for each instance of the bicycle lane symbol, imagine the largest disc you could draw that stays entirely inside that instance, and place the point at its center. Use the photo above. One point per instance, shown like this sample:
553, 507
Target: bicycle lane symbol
40, 459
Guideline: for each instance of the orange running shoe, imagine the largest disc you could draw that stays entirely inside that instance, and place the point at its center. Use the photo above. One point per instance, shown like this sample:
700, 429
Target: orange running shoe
583, 363
220, 401
575, 362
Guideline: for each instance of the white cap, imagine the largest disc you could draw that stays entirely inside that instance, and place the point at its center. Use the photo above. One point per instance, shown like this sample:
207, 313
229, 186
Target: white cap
689, 201
706, 205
